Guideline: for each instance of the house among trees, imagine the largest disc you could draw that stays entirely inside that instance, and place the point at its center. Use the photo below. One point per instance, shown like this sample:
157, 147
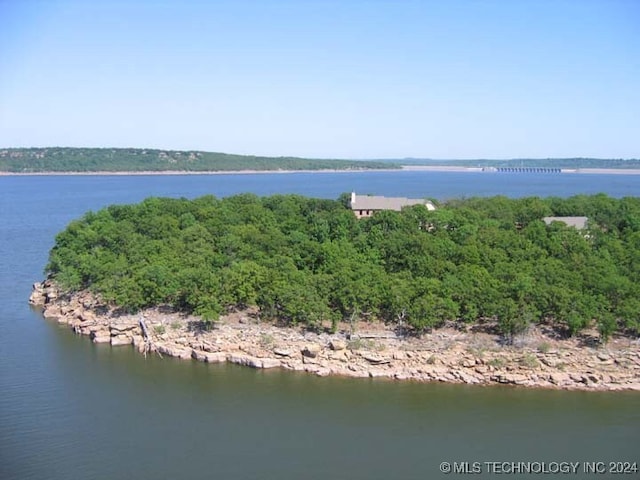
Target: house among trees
579, 223
366, 205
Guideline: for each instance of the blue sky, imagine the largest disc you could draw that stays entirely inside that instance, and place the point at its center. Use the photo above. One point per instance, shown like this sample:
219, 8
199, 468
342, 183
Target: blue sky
342, 79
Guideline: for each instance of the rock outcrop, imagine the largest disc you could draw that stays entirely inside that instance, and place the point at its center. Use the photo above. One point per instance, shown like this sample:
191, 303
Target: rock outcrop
443, 356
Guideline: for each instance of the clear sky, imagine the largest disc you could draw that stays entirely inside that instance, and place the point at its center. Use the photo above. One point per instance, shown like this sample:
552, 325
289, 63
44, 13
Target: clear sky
342, 79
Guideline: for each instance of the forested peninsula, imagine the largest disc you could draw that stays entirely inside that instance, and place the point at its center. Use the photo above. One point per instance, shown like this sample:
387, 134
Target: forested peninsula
137, 160
472, 265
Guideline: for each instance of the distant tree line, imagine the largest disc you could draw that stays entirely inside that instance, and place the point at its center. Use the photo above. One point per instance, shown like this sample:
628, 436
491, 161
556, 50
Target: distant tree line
309, 261
34, 160
59, 159
568, 163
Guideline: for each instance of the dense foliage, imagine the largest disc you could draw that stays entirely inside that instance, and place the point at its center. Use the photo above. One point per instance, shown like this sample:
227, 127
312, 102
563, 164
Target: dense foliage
32, 160
307, 261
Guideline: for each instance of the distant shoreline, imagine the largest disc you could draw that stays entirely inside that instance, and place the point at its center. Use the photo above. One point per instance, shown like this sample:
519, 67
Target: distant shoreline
186, 172
403, 168
450, 168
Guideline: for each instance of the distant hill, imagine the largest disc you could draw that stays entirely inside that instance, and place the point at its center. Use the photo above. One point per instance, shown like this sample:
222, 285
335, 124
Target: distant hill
71, 160
67, 160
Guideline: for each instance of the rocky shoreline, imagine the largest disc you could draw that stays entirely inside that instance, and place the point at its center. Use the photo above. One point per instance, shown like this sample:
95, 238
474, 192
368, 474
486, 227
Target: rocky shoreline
374, 351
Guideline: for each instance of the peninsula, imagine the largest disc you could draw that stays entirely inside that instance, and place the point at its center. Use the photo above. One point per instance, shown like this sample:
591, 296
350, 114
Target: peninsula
534, 292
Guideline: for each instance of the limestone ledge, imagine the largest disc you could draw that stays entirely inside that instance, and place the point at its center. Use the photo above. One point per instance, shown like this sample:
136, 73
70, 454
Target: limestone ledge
443, 356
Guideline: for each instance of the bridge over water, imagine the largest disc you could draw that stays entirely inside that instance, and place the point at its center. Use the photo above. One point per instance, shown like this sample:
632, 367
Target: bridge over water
522, 169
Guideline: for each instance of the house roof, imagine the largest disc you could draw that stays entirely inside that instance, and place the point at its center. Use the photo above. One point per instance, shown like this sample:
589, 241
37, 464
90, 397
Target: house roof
370, 202
576, 222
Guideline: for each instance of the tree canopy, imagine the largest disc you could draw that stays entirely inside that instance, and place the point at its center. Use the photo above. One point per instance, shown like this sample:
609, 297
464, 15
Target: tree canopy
306, 261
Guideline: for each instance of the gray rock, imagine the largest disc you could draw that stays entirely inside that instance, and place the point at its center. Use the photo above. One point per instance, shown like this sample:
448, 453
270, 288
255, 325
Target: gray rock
311, 350
270, 363
558, 378
120, 340
467, 378
215, 357
118, 328
282, 352
245, 360
199, 355
310, 360
174, 351
549, 362
510, 378
375, 359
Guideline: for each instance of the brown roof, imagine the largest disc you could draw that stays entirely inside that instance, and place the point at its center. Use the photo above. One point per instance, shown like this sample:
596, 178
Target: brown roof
370, 202
576, 222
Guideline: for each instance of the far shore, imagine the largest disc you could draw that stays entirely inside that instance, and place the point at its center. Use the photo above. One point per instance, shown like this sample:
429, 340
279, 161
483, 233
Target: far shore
405, 168
539, 359
185, 172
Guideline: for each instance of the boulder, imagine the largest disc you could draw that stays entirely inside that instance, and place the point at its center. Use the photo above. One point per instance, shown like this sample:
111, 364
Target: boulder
339, 356
120, 340
282, 352
311, 350
579, 378
270, 363
209, 357
312, 368
558, 378
510, 378
174, 351
119, 328
375, 359
245, 360
549, 362
52, 311
51, 294
310, 360
467, 377
399, 355
38, 296
337, 344
215, 357
358, 372
199, 355
207, 347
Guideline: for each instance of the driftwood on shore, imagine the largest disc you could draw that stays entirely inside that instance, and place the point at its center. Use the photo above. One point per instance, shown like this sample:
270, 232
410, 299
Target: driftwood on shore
148, 341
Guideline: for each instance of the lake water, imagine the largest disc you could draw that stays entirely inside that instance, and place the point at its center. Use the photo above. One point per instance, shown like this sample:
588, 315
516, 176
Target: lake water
73, 410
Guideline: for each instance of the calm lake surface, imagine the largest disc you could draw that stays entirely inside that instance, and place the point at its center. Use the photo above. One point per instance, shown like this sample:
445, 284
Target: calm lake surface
73, 410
